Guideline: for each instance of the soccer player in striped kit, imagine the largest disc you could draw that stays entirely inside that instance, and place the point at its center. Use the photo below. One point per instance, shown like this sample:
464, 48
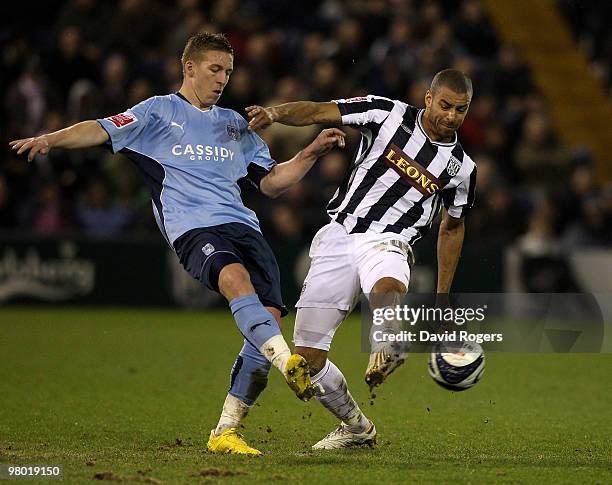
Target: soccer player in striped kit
192, 154
409, 165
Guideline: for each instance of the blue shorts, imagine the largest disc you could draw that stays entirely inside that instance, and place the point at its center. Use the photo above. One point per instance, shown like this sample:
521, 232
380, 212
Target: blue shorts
198, 248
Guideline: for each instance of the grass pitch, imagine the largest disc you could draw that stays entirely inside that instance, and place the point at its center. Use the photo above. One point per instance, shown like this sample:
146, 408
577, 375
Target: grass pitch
132, 395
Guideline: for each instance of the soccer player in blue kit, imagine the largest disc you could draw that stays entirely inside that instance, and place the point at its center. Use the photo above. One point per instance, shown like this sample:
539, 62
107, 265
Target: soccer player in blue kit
192, 154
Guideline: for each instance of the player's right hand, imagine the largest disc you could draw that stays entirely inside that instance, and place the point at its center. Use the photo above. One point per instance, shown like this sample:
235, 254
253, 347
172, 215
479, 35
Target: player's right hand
35, 145
325, 141
259, 117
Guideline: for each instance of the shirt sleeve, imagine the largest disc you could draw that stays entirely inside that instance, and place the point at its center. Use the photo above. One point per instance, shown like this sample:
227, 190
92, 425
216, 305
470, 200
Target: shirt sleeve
254, 175
124, 128
459, 200
256, 156
363, 111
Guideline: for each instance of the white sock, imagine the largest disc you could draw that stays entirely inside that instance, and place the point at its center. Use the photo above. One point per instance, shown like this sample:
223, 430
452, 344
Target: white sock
234, 411
276, 350
338, 400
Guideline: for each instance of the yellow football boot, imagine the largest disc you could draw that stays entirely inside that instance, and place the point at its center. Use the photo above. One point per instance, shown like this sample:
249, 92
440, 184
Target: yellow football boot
297, 374
230, 442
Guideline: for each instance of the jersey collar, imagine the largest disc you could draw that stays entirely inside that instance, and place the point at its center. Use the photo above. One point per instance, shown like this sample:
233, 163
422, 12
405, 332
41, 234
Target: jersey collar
439, 143
189, 103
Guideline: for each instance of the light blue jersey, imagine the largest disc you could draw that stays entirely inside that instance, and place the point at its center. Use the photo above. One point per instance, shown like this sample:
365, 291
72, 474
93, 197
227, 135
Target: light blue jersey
191, 160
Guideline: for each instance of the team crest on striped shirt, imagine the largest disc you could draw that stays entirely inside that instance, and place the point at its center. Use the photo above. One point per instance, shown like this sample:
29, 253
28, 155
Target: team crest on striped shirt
453, 166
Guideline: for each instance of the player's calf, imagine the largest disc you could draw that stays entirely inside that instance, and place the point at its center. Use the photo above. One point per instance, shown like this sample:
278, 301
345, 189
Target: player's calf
260, 328
248, 379
386, 355
316, 358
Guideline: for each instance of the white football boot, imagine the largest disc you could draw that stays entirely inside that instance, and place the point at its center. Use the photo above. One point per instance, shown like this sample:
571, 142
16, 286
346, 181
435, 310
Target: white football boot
383, 363
341, 437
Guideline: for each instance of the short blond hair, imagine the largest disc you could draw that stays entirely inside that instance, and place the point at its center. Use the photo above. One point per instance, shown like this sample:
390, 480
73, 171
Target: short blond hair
205, 41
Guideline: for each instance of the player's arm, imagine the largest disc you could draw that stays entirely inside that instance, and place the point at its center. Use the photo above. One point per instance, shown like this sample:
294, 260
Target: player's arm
284, 175
81, 135
450, 241
299, 113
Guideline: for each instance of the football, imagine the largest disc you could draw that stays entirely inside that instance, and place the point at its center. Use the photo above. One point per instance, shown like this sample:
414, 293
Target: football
456, 366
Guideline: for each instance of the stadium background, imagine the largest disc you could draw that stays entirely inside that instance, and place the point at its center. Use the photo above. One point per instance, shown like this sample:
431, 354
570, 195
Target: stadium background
78, 225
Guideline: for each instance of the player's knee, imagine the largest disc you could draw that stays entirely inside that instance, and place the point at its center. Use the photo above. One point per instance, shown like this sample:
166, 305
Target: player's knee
387, 292
389, 285
316, 358
234, 281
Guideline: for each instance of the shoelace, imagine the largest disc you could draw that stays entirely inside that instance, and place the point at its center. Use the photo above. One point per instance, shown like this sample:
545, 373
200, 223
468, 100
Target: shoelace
234, 431
338, 431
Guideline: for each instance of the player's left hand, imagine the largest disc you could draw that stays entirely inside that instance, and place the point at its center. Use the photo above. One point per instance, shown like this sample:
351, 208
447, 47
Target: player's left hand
326, 140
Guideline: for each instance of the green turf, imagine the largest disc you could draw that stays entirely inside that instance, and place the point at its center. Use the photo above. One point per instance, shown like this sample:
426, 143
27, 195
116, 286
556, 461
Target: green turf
136, 392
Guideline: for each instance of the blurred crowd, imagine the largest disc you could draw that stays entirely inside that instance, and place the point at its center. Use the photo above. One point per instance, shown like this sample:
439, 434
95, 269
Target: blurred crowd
86, 59
590, 23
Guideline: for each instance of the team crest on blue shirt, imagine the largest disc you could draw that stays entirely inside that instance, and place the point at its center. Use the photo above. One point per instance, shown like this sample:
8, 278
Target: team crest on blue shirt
233, 132
453, 166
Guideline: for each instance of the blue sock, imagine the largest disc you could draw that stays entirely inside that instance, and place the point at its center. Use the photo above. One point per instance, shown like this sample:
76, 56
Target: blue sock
256, 323
249, 375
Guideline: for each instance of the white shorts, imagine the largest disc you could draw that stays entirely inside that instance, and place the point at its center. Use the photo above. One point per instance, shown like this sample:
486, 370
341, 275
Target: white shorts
342, 265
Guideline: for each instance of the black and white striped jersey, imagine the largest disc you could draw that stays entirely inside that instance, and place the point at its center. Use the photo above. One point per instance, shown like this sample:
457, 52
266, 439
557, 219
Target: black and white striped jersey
399, 178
